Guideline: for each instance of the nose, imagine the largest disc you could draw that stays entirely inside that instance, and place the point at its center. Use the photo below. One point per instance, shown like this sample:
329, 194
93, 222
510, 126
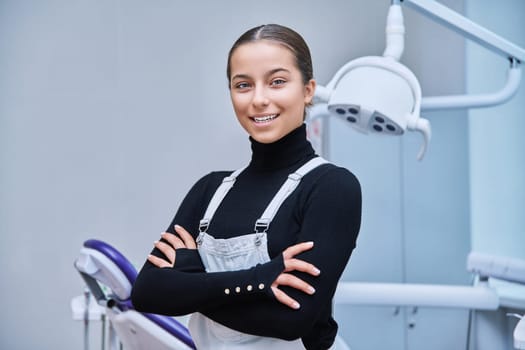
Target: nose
260, 98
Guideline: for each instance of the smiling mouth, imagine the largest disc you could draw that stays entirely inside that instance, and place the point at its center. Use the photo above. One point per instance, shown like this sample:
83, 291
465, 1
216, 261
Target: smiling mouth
264, 119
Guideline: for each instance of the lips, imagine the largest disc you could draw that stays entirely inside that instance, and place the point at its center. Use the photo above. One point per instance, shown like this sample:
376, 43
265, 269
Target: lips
264, 118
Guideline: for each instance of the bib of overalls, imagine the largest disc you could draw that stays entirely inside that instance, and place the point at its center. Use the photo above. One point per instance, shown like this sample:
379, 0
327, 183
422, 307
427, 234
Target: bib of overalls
237, 253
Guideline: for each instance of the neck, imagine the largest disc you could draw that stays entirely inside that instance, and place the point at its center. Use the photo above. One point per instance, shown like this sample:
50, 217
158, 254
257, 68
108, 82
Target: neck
285, 152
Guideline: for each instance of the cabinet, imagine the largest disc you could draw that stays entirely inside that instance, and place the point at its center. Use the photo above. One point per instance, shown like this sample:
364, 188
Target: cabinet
415, 229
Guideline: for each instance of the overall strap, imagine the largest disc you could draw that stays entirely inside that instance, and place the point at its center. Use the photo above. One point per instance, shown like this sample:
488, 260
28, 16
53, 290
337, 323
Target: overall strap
262, 224
218, 196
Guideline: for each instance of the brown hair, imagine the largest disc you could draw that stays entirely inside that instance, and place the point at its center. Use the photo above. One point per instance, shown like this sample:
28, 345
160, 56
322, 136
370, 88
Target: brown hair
283, 36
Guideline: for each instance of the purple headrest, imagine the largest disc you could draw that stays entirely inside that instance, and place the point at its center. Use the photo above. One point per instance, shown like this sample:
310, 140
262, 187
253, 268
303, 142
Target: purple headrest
114, 255
169, 324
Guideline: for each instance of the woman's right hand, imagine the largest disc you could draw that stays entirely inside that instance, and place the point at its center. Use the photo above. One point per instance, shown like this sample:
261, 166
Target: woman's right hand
286, 279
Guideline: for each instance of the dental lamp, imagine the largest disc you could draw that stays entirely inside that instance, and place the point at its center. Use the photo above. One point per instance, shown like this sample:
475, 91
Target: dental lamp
378, 94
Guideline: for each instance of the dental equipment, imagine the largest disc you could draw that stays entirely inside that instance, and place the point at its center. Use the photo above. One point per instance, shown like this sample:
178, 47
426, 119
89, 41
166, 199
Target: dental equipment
380, 95
519, 334
503, 268
508, 269
109, 277
482, 296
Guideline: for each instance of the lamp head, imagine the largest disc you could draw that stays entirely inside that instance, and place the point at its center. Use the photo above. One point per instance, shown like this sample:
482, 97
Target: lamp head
373, 99
378, 95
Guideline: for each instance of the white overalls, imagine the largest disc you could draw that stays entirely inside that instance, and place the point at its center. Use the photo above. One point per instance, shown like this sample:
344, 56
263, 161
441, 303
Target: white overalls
238, 253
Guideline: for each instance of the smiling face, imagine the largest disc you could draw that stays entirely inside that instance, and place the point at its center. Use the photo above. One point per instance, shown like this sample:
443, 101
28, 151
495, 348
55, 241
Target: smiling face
267, 90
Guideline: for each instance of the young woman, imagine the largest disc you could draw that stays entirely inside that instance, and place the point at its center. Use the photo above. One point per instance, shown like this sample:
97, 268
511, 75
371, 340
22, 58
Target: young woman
255, 255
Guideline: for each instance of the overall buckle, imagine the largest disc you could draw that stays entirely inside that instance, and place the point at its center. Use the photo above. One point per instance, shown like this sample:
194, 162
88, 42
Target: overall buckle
261, 225
203, 225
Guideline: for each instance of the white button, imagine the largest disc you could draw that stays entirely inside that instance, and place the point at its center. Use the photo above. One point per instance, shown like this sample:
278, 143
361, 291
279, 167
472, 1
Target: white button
261, 286
237, 289
249, 288
227, 291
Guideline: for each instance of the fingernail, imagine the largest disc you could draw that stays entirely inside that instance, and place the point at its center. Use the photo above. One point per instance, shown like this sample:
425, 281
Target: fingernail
177, 226
311, 290
316, 271
155, 242
296, 305
310, 243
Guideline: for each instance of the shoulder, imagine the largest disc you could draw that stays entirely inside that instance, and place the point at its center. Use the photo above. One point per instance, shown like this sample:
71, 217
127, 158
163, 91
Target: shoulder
331, 186
331, 196
208, 183
213, 177
331, 176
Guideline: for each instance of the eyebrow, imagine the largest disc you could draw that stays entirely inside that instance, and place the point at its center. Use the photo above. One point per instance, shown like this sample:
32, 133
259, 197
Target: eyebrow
269, 73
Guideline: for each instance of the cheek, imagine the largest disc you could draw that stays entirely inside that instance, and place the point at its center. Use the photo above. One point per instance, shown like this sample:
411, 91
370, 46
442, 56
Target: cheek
239, 101
293, 102
283, 98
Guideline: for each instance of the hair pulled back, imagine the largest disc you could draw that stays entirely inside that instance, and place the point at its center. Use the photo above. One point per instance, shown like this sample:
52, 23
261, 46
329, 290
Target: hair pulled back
281, 35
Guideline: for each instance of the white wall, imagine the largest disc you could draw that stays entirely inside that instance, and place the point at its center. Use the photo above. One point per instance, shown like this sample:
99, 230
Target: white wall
497, 145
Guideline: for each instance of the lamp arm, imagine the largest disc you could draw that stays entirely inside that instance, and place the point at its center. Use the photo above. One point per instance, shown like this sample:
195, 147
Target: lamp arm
467, 28
395, 32
477, 100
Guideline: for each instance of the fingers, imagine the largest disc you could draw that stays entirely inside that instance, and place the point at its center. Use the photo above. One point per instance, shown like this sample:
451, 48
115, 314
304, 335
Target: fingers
292, 251
291, 264
167, 250
285, 279
300, 265
283, 298
183, 240
158, 261
186, 237
175, 241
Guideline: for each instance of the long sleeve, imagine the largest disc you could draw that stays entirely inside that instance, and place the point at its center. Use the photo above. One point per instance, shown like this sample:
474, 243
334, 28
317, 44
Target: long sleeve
186, 288
171, 292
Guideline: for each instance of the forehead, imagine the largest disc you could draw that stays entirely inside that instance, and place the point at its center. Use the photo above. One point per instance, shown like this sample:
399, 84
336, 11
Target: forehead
261, 56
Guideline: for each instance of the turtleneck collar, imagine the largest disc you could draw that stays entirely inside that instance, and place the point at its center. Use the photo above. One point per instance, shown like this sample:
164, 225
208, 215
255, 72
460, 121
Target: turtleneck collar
283, 153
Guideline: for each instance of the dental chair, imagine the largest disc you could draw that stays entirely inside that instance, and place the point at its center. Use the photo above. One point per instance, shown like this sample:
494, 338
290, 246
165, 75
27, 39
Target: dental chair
109, 277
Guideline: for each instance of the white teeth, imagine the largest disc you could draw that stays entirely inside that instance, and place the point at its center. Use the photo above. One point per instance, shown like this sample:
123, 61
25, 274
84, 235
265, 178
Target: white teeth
266, 118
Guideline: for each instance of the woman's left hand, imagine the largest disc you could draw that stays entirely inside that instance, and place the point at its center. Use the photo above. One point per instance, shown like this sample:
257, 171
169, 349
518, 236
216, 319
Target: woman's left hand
183, 240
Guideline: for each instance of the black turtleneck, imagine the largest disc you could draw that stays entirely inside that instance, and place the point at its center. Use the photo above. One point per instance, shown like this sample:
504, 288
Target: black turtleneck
325, 208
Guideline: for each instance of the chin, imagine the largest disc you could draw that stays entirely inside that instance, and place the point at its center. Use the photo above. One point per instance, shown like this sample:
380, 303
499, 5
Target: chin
269, 137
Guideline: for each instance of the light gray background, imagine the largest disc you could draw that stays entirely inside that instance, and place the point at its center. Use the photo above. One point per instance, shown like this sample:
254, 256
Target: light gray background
110, 110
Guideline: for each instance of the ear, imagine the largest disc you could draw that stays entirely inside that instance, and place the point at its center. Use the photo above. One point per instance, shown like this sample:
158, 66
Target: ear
309, 91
